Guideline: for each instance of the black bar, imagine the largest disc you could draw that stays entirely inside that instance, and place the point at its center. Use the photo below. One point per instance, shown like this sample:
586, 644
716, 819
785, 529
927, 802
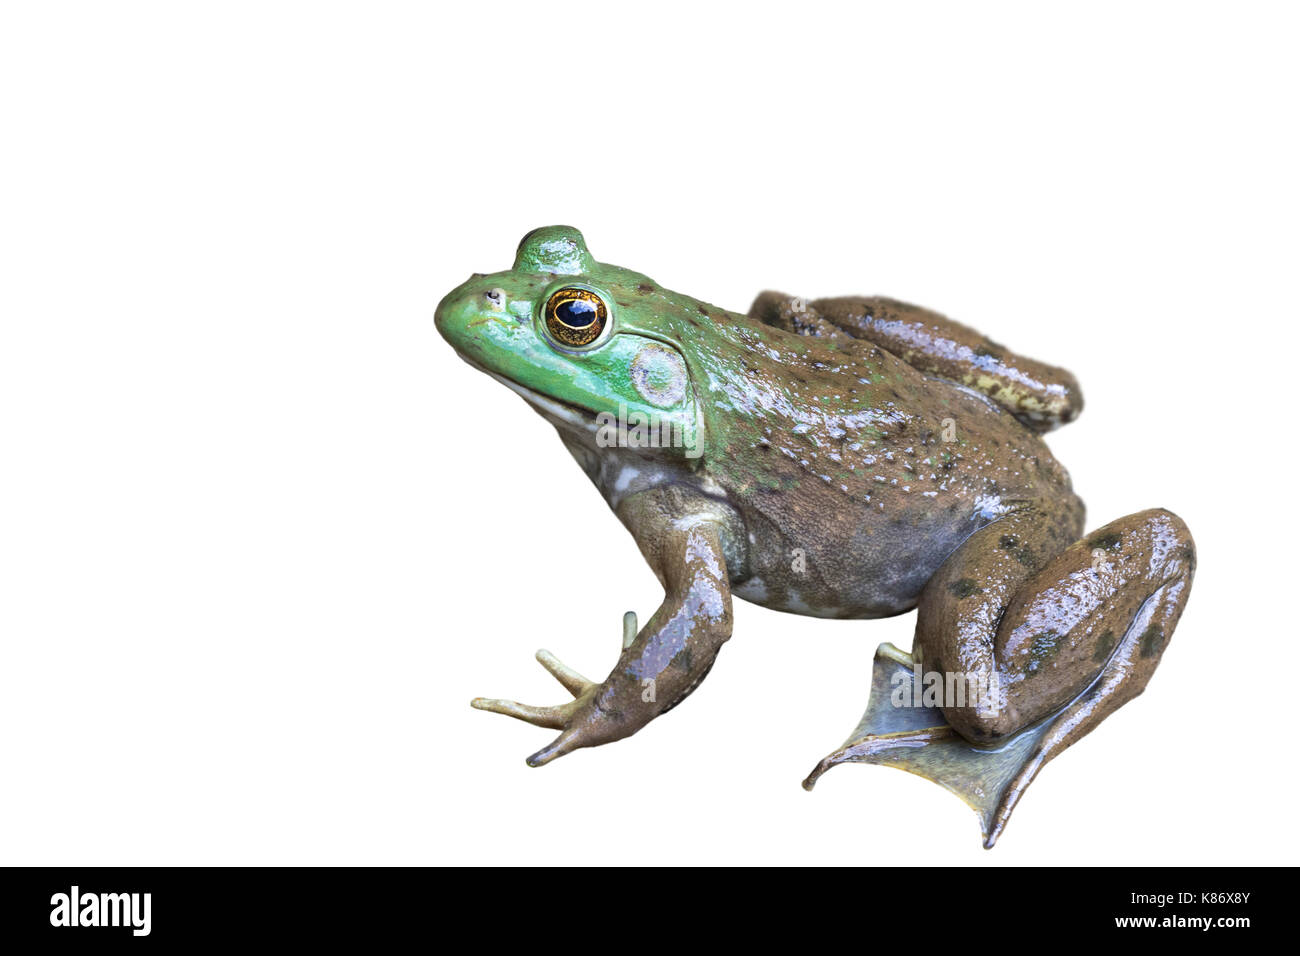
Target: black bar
924, 905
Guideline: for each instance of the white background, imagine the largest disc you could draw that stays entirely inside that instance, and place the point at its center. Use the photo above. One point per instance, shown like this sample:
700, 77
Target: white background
264, 536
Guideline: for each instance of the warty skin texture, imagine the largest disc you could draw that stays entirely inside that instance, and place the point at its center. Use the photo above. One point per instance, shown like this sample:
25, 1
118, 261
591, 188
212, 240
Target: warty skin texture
853, 457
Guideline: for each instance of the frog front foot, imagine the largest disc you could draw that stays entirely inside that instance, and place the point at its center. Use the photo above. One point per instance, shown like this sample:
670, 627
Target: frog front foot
579, 721
660, 664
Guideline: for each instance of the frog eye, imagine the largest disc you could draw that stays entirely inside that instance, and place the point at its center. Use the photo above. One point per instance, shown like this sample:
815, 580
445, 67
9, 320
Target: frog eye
575, 317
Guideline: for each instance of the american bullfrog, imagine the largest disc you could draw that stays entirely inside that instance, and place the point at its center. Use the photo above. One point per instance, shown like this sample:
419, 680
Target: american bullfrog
850, 457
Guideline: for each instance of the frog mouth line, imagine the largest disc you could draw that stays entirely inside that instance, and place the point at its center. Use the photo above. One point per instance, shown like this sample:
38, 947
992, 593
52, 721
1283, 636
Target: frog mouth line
554, 409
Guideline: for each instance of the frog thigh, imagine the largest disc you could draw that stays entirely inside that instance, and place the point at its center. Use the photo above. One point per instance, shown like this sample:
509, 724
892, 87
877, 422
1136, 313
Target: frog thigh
966, 599
1083, 631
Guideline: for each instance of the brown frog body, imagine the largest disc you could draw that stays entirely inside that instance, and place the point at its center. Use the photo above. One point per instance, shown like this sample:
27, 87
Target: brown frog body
850, 458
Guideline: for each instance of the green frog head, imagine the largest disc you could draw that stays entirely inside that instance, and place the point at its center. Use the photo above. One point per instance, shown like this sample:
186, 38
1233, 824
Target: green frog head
593, 347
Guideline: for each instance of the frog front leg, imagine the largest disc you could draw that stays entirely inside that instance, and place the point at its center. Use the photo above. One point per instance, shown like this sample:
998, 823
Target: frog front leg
667, 659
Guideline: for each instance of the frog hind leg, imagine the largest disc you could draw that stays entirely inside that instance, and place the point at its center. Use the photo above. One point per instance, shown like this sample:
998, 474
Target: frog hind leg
792, 314
1039, 395
1043, 653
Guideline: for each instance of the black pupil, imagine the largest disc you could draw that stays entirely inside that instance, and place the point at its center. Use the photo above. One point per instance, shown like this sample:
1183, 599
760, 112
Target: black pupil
576, 313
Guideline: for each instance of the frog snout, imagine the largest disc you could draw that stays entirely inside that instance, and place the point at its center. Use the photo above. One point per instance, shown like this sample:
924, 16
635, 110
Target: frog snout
442, 315
453, 317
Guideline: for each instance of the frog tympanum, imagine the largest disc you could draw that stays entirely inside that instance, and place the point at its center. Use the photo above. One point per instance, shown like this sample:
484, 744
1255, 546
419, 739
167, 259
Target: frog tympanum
851, 457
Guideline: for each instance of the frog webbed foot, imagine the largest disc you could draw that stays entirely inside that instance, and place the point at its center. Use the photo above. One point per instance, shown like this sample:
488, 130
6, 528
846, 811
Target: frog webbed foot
999, 687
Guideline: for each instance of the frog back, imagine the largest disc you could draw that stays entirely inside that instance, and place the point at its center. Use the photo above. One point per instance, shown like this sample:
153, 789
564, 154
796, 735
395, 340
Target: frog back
856, 475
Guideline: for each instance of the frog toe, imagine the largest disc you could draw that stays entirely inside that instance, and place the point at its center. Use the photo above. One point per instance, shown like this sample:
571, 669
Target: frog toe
551, 717
557, 748
573, 682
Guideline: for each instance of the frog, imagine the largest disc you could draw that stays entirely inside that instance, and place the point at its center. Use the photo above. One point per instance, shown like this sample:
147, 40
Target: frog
852, 457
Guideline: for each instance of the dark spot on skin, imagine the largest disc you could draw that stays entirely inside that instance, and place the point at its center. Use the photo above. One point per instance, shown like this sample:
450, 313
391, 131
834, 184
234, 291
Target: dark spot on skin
985, 352
1151, 641
1105, 542
965, 587
645, 289
1046, 645
704, 312
1105, 644
1025, 555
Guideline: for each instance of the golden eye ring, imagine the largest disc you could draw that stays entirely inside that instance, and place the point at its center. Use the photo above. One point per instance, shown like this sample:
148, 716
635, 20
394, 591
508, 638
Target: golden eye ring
575, 317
